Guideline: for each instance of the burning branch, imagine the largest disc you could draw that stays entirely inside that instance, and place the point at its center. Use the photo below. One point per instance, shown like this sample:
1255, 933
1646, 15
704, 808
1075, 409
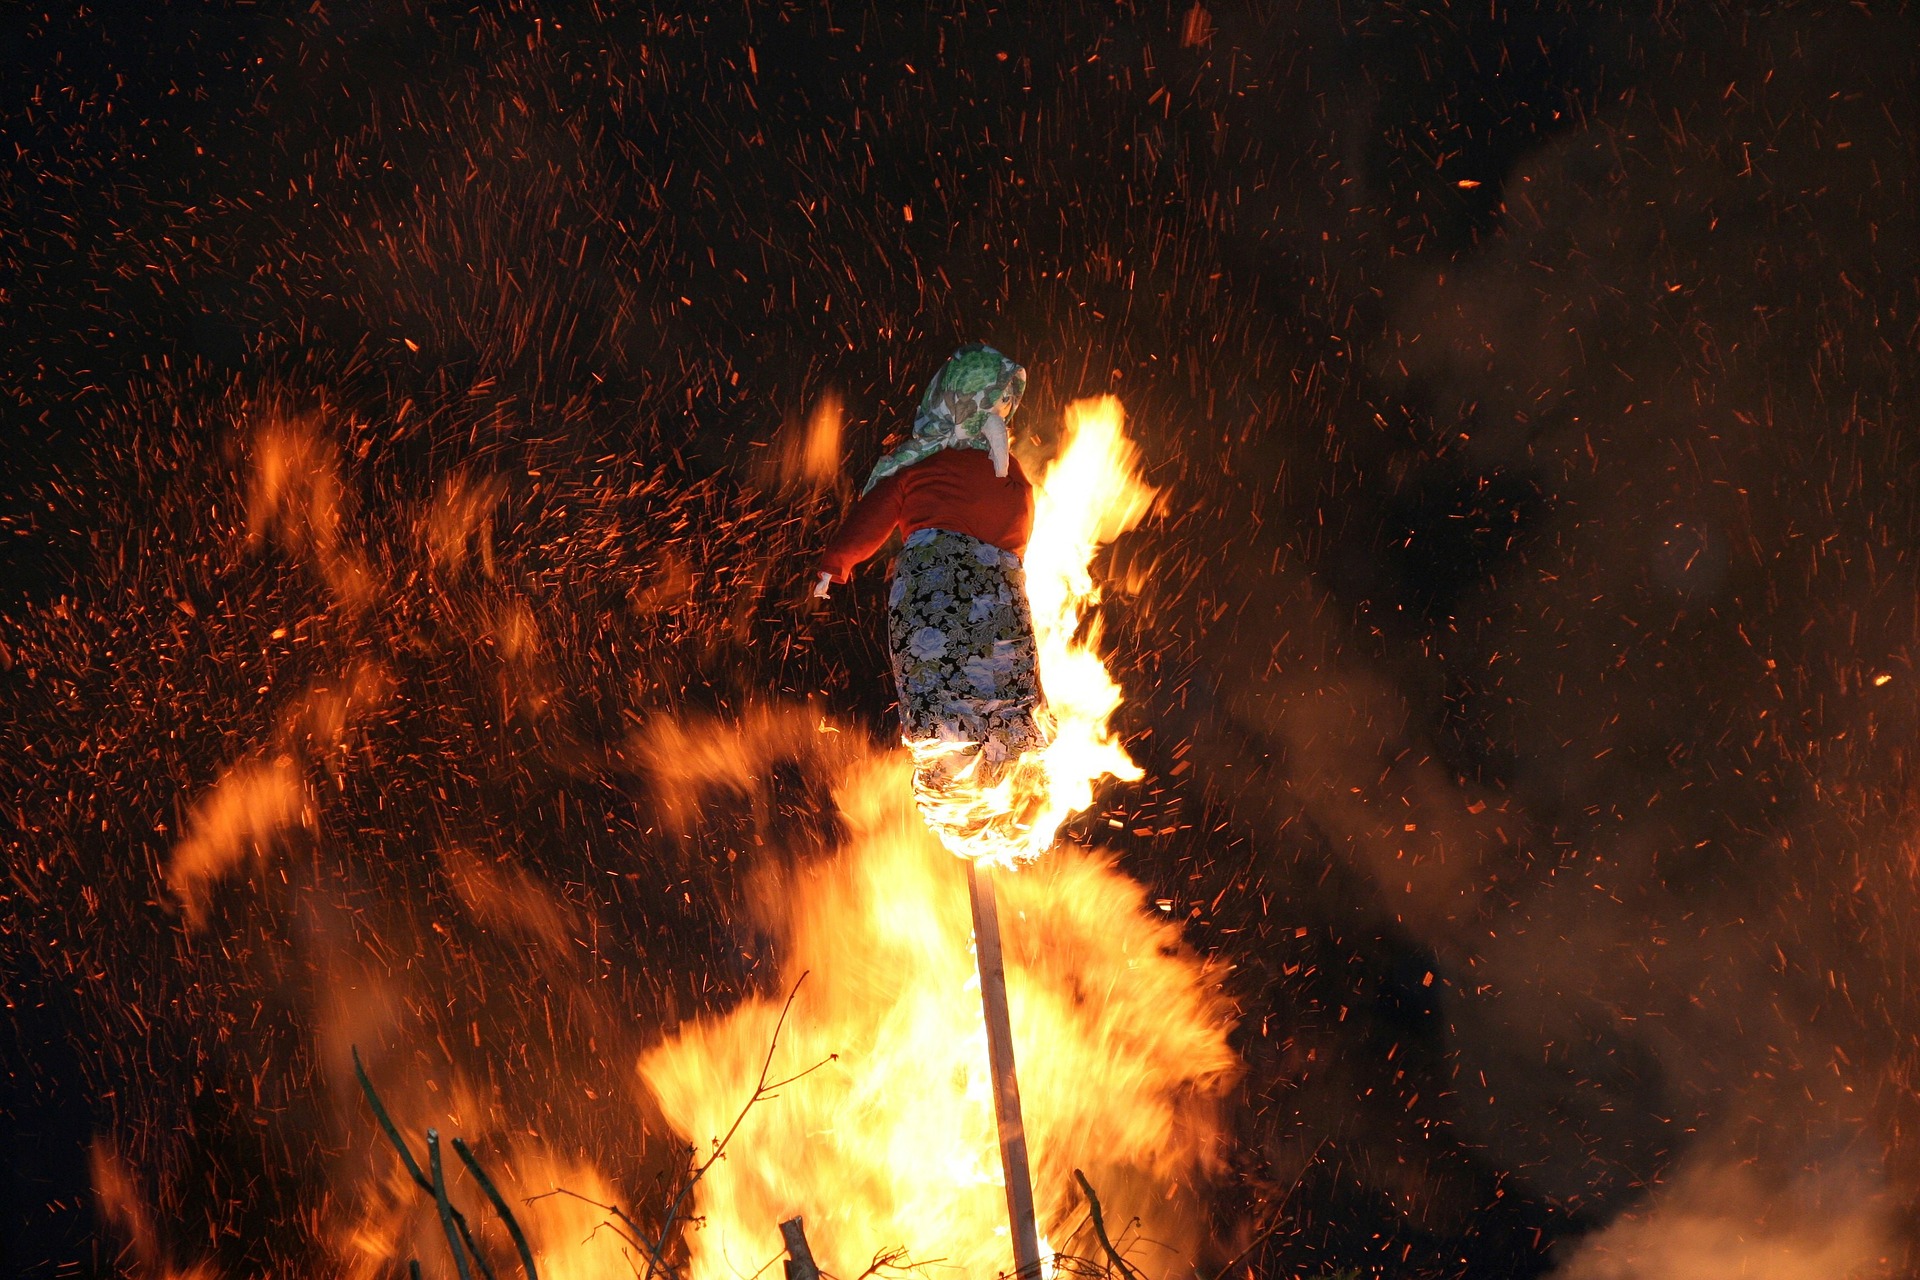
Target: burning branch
654, 1244
800, 1263
446, 1212
452, 1220
466, 1155
761, 1092
1100, 1228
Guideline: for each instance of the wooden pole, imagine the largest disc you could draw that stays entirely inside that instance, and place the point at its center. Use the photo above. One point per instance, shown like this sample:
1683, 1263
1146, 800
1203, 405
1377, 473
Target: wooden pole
800, 1263
1006, 1086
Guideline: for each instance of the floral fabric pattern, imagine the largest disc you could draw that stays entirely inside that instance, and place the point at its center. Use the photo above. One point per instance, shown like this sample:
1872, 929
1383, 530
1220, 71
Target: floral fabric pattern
964, 657
976, 383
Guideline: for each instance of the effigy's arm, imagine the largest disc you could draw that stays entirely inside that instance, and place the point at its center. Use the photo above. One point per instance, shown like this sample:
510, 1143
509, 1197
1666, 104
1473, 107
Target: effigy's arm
865, 530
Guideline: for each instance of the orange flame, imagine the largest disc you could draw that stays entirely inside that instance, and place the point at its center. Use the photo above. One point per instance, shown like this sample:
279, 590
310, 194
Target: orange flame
556, 1201
253, 802
116, 1191
1090, 495
296, 498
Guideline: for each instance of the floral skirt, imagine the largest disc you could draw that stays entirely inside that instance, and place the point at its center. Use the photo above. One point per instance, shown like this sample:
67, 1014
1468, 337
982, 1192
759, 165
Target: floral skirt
964, 657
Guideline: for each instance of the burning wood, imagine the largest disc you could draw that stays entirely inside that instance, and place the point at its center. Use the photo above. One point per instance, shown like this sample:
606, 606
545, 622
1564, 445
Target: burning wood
800, 1263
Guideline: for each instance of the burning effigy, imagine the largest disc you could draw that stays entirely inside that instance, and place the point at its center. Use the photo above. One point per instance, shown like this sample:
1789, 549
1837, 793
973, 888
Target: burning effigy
1004, 701
965, 661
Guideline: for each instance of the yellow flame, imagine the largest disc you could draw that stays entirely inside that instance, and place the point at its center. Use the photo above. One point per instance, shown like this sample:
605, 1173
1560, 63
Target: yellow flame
1090, 495
889, 1148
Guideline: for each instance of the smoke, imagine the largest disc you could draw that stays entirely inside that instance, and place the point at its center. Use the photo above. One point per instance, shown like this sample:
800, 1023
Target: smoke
1632, 787
1722, 1222
1657, 346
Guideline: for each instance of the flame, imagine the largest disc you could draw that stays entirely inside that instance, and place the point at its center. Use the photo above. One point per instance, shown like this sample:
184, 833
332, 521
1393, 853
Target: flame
297, 500
817, 463
265, 795
558, 1201
251, 804
1088, 496
804, 457
459, 526
376, 1219
888, 1148
116, 1192
886, 1143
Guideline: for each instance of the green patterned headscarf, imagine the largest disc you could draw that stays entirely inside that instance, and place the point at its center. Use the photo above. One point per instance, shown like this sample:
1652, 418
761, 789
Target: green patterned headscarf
976, 383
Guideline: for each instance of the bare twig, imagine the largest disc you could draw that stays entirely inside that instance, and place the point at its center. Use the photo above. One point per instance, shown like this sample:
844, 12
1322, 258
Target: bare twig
1279, 1212
613, 1209
653, 1245
761, 1092
892, 1260
446, 1209
500, 1206
622, 1236
387, 1125
1100, 1228
617, 1213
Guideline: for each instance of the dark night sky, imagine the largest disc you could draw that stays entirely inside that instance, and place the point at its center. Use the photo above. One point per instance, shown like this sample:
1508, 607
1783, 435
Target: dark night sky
1531, 383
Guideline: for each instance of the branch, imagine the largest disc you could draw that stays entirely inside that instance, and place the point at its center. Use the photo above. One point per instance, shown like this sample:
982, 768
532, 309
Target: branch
1273, 1222
1100, 1228
446, 1209
413, 1166
500, 1206
386, 1124
761, 1091
613, 1209
654, 1246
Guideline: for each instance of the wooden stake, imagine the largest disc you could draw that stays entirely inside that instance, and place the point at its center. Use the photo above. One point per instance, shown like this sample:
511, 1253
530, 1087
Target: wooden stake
800, 1263
1006, 1086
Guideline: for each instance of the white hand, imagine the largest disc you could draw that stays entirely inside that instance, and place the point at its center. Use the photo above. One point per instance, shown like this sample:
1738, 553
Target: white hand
820, 587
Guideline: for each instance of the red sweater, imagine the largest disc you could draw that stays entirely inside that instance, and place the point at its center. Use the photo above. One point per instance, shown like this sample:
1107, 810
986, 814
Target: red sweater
953, 489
